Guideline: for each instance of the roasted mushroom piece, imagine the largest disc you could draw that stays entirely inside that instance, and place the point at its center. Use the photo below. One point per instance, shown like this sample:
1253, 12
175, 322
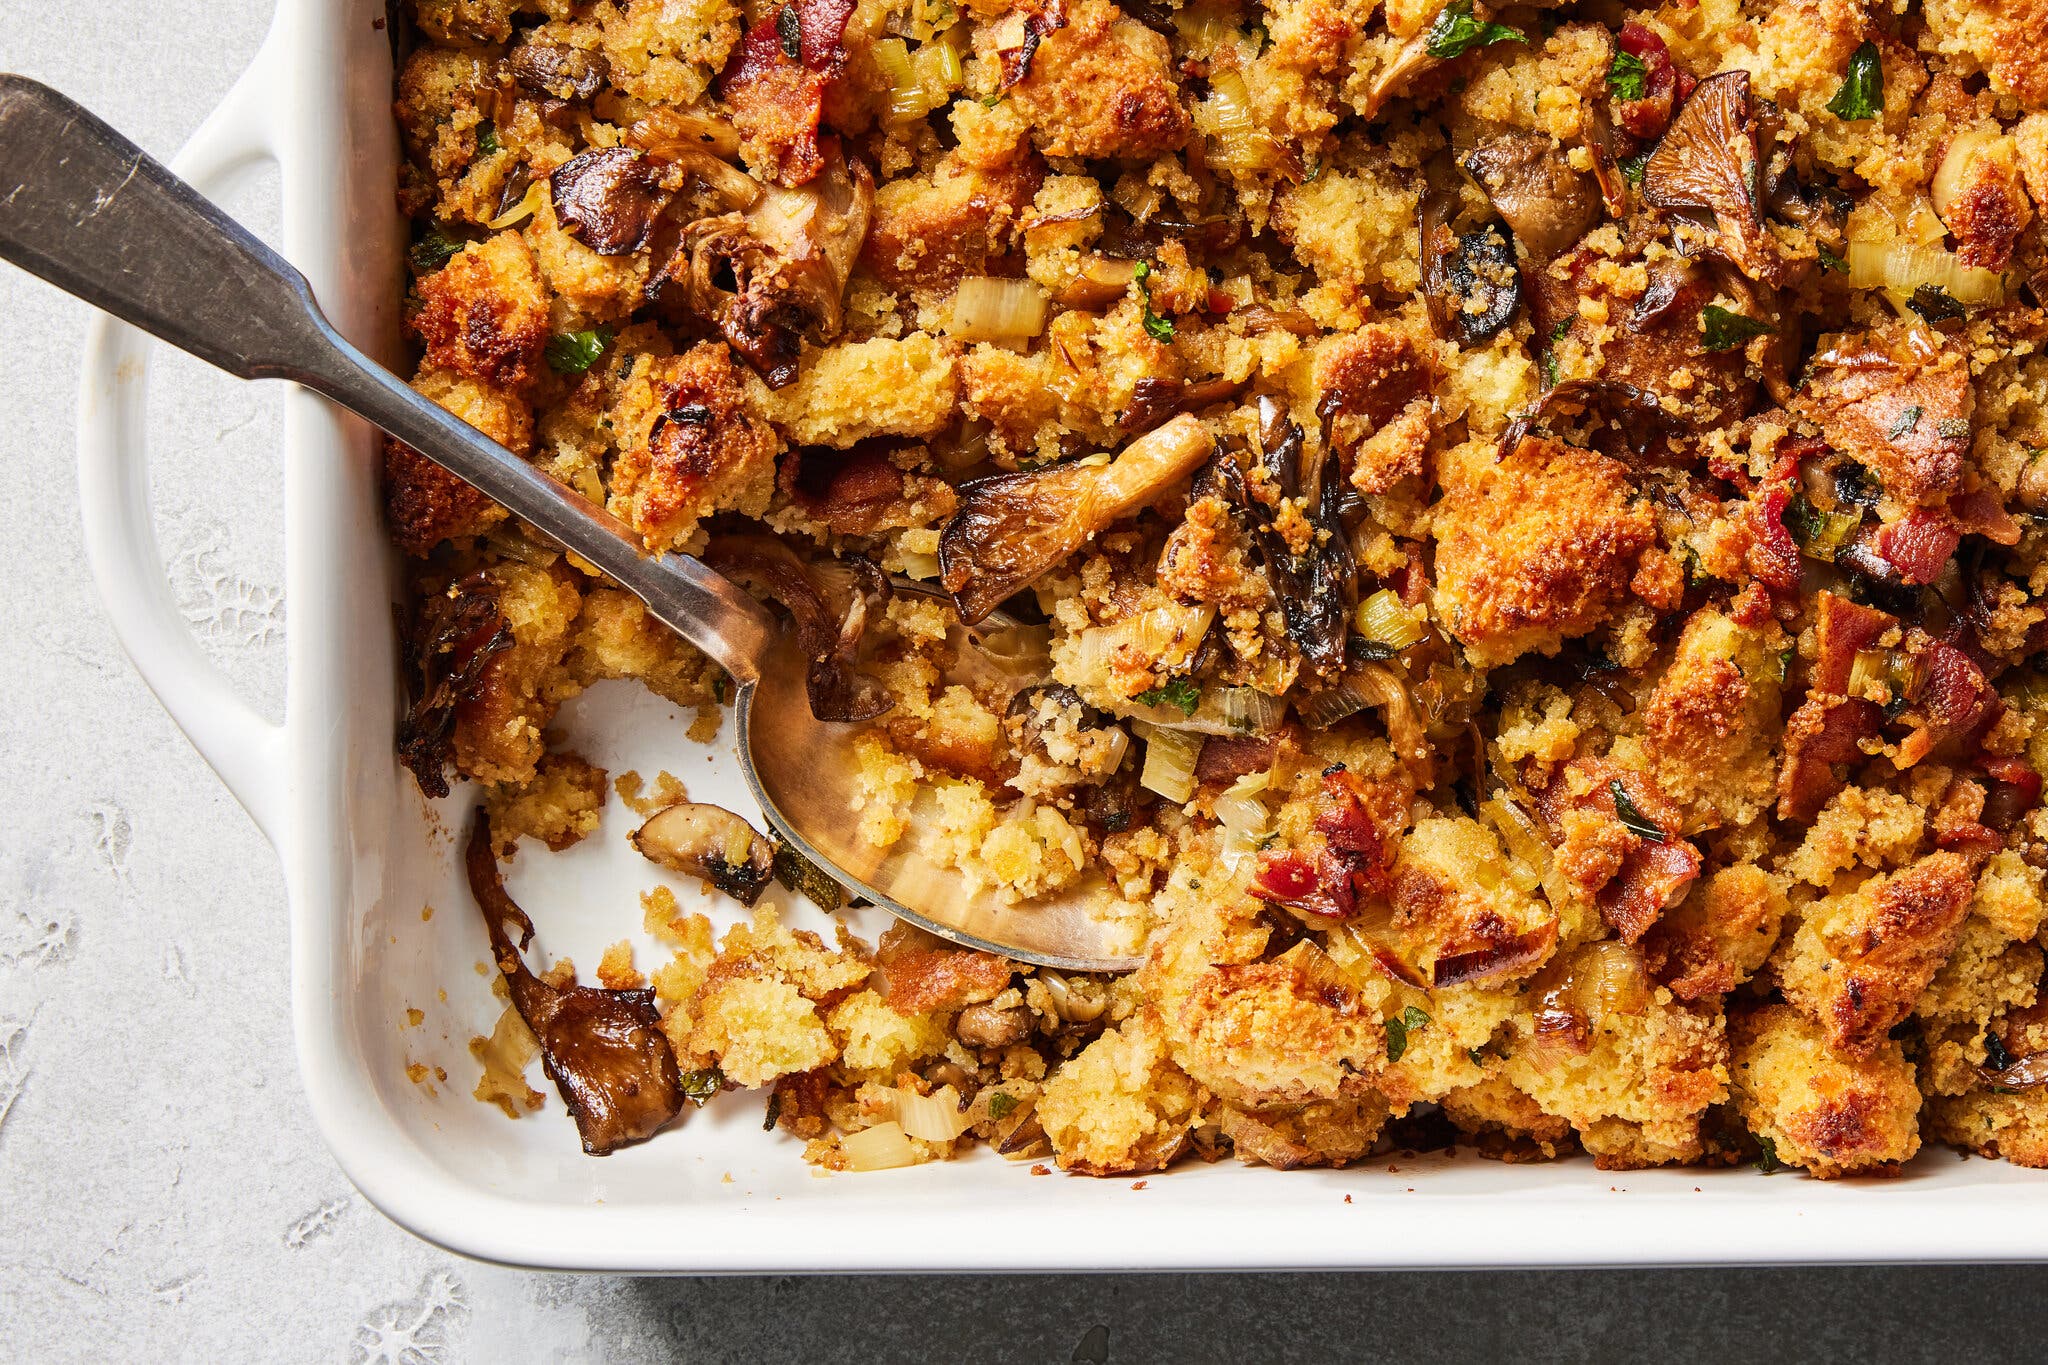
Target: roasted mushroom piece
609, 197
446, 649
1314, 589
829, 610
557, 71
702, 840
1013, 527
775, 275
604, 1050
1709, 160
1547, 205
1471, 282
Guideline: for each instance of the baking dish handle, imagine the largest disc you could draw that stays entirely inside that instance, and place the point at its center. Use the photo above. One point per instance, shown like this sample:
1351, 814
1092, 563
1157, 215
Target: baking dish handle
113, 484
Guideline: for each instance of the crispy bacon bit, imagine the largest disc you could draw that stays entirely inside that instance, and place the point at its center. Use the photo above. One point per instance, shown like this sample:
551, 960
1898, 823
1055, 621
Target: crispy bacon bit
777, 98
1653, 878
1655, 864
1822, 733
1360, 824
1844, 629
1773, 554
1648, 117
1039, 20
1918, 545
1955, 704
1225, 758
1454, 969
1980, 513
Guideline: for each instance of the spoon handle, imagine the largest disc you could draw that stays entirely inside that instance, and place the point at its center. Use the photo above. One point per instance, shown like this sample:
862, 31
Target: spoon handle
87, 210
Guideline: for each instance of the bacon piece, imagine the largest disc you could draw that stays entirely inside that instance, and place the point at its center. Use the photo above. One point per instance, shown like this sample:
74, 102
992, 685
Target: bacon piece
1956, 704
1225, 758
1651, 873
1820, 734
853, 492
1845, 628
1773, 554
1360, 827
1648, 117
1652, 879
1919, 545
1980, 513
777, 95
1039, 20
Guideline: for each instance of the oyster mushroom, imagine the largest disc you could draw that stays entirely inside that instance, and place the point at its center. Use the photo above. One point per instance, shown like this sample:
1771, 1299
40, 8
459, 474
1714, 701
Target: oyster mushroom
609, 197
829, 608
702, 840
774, 275
1013, 527
1313, 589
604, 1050
1547, 205
1709, 161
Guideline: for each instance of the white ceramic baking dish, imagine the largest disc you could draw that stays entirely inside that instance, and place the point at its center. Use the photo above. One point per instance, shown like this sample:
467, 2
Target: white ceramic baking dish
364, 856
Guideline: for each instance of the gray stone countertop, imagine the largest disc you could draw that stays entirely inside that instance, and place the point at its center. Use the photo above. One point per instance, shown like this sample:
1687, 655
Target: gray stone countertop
163, 1195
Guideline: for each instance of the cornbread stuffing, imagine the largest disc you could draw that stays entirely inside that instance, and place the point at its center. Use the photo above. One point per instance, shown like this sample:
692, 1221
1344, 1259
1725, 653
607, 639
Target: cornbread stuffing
1507, 546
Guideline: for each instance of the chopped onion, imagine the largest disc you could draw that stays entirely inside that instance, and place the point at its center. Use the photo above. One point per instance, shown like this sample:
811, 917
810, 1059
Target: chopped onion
1518, 831
1965, 148
1385, 619
1240, 144
936, 1117
1243, 816
880, 1148
1170, 757
906, 92
1893, 670
1321, 710
1250, 711
1899, 268
988, 309
528, 205
921, 566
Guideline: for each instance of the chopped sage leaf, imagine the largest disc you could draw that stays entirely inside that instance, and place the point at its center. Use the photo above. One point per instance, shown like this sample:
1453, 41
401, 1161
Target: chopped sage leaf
1862, 92
1456, 32
1631, 815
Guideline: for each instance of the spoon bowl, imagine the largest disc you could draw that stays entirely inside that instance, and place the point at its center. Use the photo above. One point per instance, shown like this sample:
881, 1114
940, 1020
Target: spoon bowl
88, 211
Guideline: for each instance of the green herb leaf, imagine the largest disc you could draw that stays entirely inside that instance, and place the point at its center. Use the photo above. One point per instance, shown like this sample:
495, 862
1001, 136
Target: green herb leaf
1625, 76
1001, 1105
1767, 1157
1908, 419
487, 138
789, 27
1549, 364
1185, 693
575, 352
1631, 815
1157, 327
1862, 92
1456, 32
700, 1086
718, 689
1725, 330
804, 877
1399, 1029
433, 250
1936, 304
1785, 657
1830, 261
1952, 428
1360, 650
991, 101
1633, 167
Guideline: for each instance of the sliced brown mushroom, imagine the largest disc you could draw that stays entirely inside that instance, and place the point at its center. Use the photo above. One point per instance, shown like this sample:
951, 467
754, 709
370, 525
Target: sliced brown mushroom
710, 842
445, 651
557, 71
609, 197
604, 1050
775, 275
1412, 60
1013, 527
829, 612
1547, 205
1471, 283
1709, 160
1314, 591
1635, 414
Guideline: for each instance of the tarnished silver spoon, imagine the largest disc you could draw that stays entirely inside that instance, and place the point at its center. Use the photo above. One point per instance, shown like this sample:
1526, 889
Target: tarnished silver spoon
88, 211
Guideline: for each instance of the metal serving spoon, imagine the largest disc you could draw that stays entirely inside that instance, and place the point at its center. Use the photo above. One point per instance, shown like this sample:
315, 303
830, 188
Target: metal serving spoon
88, 211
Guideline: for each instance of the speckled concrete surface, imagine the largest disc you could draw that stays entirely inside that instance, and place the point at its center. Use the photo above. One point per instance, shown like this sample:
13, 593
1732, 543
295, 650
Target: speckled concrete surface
162, 1192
